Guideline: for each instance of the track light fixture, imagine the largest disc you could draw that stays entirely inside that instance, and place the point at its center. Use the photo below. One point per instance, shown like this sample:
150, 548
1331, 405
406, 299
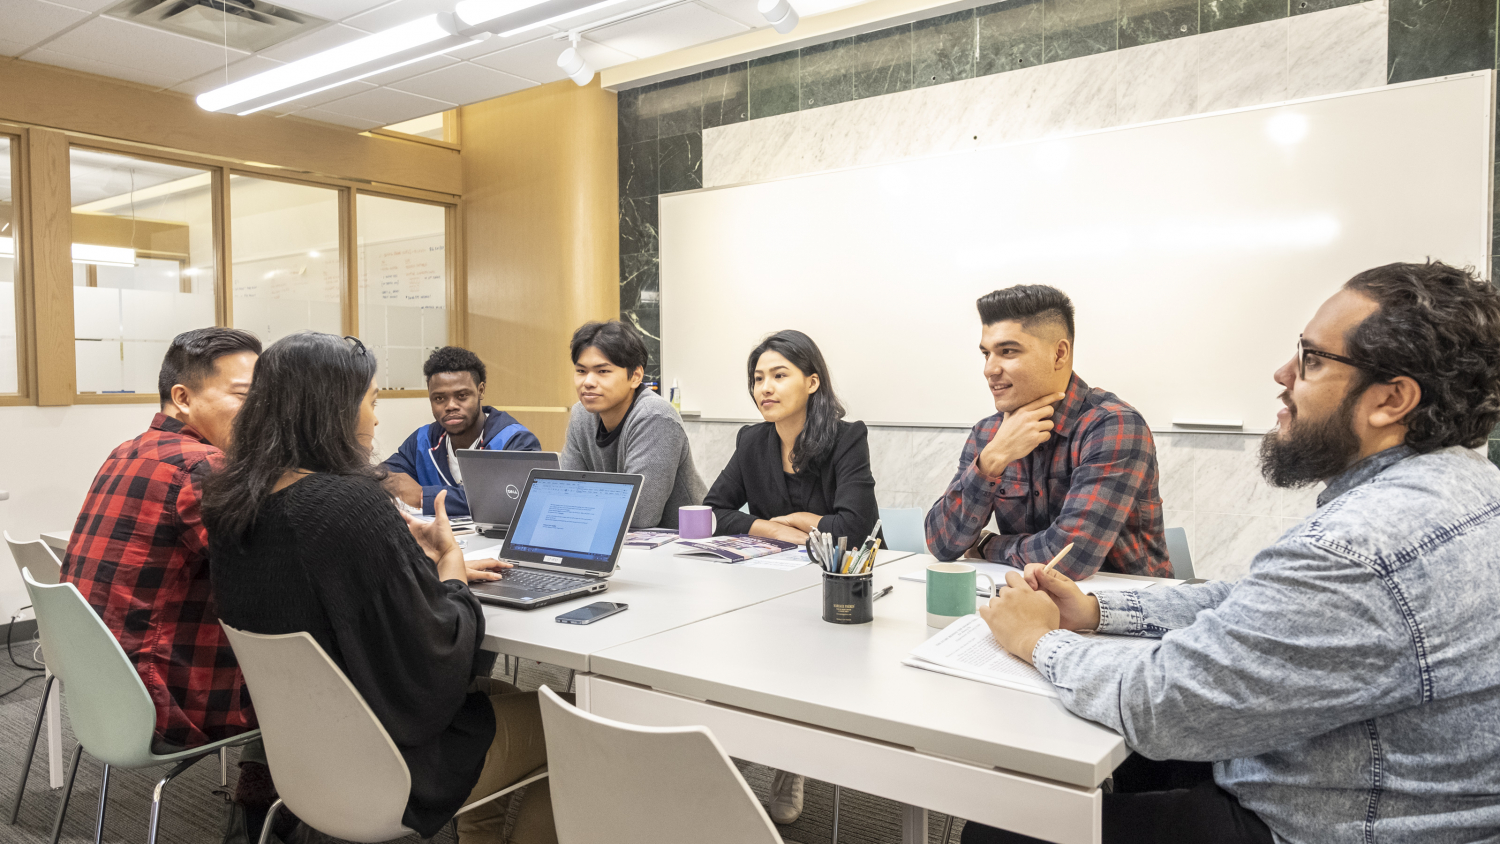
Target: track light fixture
780, 13
574, 64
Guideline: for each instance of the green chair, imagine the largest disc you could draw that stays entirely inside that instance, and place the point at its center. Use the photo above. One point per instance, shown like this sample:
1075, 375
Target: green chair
903, 529
108, 706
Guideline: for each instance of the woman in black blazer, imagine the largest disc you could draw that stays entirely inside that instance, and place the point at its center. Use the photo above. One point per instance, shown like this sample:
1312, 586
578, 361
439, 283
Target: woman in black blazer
804, 467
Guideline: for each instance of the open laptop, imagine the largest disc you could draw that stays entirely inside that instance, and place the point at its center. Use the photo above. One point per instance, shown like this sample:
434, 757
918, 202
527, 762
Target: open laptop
493, 481
565, 539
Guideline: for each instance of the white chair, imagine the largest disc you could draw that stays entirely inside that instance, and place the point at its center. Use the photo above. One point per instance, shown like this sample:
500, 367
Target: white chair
334, 765
46, 569
616, 783
1178, 553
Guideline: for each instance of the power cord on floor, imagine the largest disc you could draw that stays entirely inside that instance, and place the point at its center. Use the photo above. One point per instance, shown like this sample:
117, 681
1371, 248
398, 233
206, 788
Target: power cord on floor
37, 671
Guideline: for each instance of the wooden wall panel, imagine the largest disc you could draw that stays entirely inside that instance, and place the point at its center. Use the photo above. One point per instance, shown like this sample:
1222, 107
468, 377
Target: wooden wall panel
49, 238
78, 102
541, 232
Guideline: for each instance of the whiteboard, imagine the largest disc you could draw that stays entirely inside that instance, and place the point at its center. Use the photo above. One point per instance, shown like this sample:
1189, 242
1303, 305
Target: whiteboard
1194, 250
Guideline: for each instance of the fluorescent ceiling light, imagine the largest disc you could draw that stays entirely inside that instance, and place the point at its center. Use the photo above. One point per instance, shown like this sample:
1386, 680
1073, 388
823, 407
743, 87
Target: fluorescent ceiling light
397, 46
513, 17
83, 253
114, 256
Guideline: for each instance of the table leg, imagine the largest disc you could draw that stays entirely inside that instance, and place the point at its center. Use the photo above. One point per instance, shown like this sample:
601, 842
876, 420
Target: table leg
55, 767
913, 824
581, 686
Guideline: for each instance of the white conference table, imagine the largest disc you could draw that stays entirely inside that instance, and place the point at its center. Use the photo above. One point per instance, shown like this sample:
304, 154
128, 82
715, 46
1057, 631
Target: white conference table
779, 686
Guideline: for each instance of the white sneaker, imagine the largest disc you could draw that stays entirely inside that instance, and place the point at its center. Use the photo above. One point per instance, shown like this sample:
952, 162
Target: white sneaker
786, 797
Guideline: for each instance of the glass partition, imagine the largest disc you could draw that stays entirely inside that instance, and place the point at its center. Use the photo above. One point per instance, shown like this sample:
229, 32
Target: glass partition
9, 351
287, 276
143, 265
403, 286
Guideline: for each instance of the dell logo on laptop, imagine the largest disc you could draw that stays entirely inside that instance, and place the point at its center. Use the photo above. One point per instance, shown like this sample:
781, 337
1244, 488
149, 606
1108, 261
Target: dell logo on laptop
510, 489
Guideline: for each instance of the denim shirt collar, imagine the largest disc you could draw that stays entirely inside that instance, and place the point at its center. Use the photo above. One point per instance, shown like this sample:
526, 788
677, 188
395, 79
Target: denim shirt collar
1364, 470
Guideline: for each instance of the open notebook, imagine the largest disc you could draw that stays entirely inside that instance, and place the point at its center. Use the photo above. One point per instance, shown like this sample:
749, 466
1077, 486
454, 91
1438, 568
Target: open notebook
967, 649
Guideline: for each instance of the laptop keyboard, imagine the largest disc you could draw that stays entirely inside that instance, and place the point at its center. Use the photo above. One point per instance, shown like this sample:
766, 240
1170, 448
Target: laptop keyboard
539, 581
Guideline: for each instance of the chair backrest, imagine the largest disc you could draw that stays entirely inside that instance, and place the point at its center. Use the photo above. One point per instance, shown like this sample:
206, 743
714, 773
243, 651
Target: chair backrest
335, 766
1178, 553
904, 530
108, 706
616, 783
37, 556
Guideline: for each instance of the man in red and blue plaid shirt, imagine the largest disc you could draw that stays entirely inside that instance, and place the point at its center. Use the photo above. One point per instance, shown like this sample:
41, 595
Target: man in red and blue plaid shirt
1060, 463
139, 551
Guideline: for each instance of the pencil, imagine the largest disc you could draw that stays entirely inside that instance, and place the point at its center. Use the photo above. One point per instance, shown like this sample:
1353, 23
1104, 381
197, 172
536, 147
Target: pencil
1060, 555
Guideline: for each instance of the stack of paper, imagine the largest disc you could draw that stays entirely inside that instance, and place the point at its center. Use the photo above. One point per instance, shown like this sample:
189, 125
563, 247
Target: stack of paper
967, 649
1097, 583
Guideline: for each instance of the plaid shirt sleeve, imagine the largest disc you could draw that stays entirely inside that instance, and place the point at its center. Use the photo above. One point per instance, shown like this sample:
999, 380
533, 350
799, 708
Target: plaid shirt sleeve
958, 518
1116, 458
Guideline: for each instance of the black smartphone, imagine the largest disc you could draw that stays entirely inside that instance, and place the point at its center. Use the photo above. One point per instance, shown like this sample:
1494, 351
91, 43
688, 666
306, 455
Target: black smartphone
592, 613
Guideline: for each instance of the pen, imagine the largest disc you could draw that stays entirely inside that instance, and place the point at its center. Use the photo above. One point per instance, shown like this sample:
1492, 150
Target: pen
882, 593
1060, 555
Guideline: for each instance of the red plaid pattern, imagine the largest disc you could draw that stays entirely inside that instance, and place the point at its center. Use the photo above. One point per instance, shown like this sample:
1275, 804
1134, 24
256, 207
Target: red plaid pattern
1093, 483
139, 555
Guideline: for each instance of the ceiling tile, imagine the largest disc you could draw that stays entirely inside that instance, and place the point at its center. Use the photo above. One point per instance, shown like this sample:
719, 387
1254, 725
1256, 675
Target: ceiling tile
464, 83
495, 43
101, 68
30, 21
669, 29
313, 42
743, 11
241, 69
11, 48
348, 89
85, 5
537, 60
386, 106
148, 50
390, 14
334, 10
337, 119
426, 65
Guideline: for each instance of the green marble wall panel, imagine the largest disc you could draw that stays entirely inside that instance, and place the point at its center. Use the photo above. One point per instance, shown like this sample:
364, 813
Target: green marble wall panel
1214, 15
726, 97
1438, 37
1075, 28
881, 62
1008, 36
1150, 21
942, 49
774, 85
827, 74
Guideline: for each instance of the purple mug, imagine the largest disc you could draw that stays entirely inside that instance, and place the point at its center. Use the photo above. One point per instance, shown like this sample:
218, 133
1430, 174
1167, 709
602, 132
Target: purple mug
696, 522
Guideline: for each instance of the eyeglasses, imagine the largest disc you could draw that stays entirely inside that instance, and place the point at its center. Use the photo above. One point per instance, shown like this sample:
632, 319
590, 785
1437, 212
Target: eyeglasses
1303, 353
360, 347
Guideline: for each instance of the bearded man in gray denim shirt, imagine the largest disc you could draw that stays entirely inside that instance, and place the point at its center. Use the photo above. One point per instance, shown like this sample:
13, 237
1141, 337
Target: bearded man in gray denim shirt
1348, 688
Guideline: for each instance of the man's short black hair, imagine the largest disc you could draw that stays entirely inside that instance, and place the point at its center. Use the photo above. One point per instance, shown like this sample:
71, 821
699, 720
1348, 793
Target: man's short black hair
1027, 304
1440, 326
192, 354
454, 359
619, 342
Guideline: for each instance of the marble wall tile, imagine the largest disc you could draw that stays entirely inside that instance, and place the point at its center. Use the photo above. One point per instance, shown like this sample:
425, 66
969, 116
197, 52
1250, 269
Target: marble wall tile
1226, 478
680, 162
1298, 504
726, 97
774, 83
1151, 21
1074, 28
881, 62
634, 123
1307, 7
1215, 15
1176, 462
1225, 544
1244, 66
1494, 452
1037, 102
1437, 37
1009, 36
678, 104
1337, 50
638, 170
638, 225
746, 152
942, 49
1157, 81
712, 444
640, 284
826, 74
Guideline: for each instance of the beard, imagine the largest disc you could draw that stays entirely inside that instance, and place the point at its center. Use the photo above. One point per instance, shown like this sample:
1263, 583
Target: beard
1311, 451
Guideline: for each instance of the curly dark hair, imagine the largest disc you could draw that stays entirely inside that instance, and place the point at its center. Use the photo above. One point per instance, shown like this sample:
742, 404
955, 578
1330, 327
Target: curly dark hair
454, 359
1440, 326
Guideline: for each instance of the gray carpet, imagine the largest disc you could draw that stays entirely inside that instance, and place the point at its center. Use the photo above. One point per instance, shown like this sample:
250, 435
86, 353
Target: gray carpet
194, 814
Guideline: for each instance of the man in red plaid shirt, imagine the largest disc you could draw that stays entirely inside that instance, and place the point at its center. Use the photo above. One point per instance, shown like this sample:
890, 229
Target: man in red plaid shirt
1060, 463
139, 551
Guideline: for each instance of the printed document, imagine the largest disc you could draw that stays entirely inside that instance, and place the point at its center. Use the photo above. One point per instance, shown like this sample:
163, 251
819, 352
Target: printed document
967, 649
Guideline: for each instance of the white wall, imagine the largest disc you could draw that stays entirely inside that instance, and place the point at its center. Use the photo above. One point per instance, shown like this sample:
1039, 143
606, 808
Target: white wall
49, 455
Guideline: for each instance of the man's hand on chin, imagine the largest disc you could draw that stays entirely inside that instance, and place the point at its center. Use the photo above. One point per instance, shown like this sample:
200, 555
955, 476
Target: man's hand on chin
1018, 616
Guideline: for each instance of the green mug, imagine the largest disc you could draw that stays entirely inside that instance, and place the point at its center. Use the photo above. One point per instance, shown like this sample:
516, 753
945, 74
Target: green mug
951, 589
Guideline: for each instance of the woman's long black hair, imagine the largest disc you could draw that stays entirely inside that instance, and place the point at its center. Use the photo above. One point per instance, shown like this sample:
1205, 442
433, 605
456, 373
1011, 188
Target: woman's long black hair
302, 412
821, 431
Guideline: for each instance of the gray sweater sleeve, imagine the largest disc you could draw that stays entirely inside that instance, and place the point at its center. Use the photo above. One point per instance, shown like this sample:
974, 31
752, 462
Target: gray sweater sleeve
575, 451
653, 446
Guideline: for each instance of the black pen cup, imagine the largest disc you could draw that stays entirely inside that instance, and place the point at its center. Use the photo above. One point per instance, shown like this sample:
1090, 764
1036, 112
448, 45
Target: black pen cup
848, 598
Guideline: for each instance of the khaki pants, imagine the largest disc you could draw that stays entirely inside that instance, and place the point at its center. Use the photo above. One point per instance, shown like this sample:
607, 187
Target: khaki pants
518, 751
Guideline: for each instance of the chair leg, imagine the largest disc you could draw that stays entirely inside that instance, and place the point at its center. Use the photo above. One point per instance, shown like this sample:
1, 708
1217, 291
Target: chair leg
41, 711
103, 794
156, 796
224, 767
837, 793
571, 674
62, 807
265, 828
947, 830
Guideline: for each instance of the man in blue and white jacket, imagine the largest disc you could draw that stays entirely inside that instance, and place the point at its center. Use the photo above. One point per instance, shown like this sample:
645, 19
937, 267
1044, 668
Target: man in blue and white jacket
426, 463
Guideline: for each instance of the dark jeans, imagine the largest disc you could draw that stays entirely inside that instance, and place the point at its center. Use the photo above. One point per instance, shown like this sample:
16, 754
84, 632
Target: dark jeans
1160, 803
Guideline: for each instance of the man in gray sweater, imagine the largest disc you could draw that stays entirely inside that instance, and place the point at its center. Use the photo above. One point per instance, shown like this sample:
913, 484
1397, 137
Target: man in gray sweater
620, 425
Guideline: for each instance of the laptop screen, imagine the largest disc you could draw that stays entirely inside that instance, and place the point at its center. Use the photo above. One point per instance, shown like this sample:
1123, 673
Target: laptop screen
573, 519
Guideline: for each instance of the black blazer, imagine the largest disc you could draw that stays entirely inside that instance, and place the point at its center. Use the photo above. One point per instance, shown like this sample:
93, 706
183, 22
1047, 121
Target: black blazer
843, 488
